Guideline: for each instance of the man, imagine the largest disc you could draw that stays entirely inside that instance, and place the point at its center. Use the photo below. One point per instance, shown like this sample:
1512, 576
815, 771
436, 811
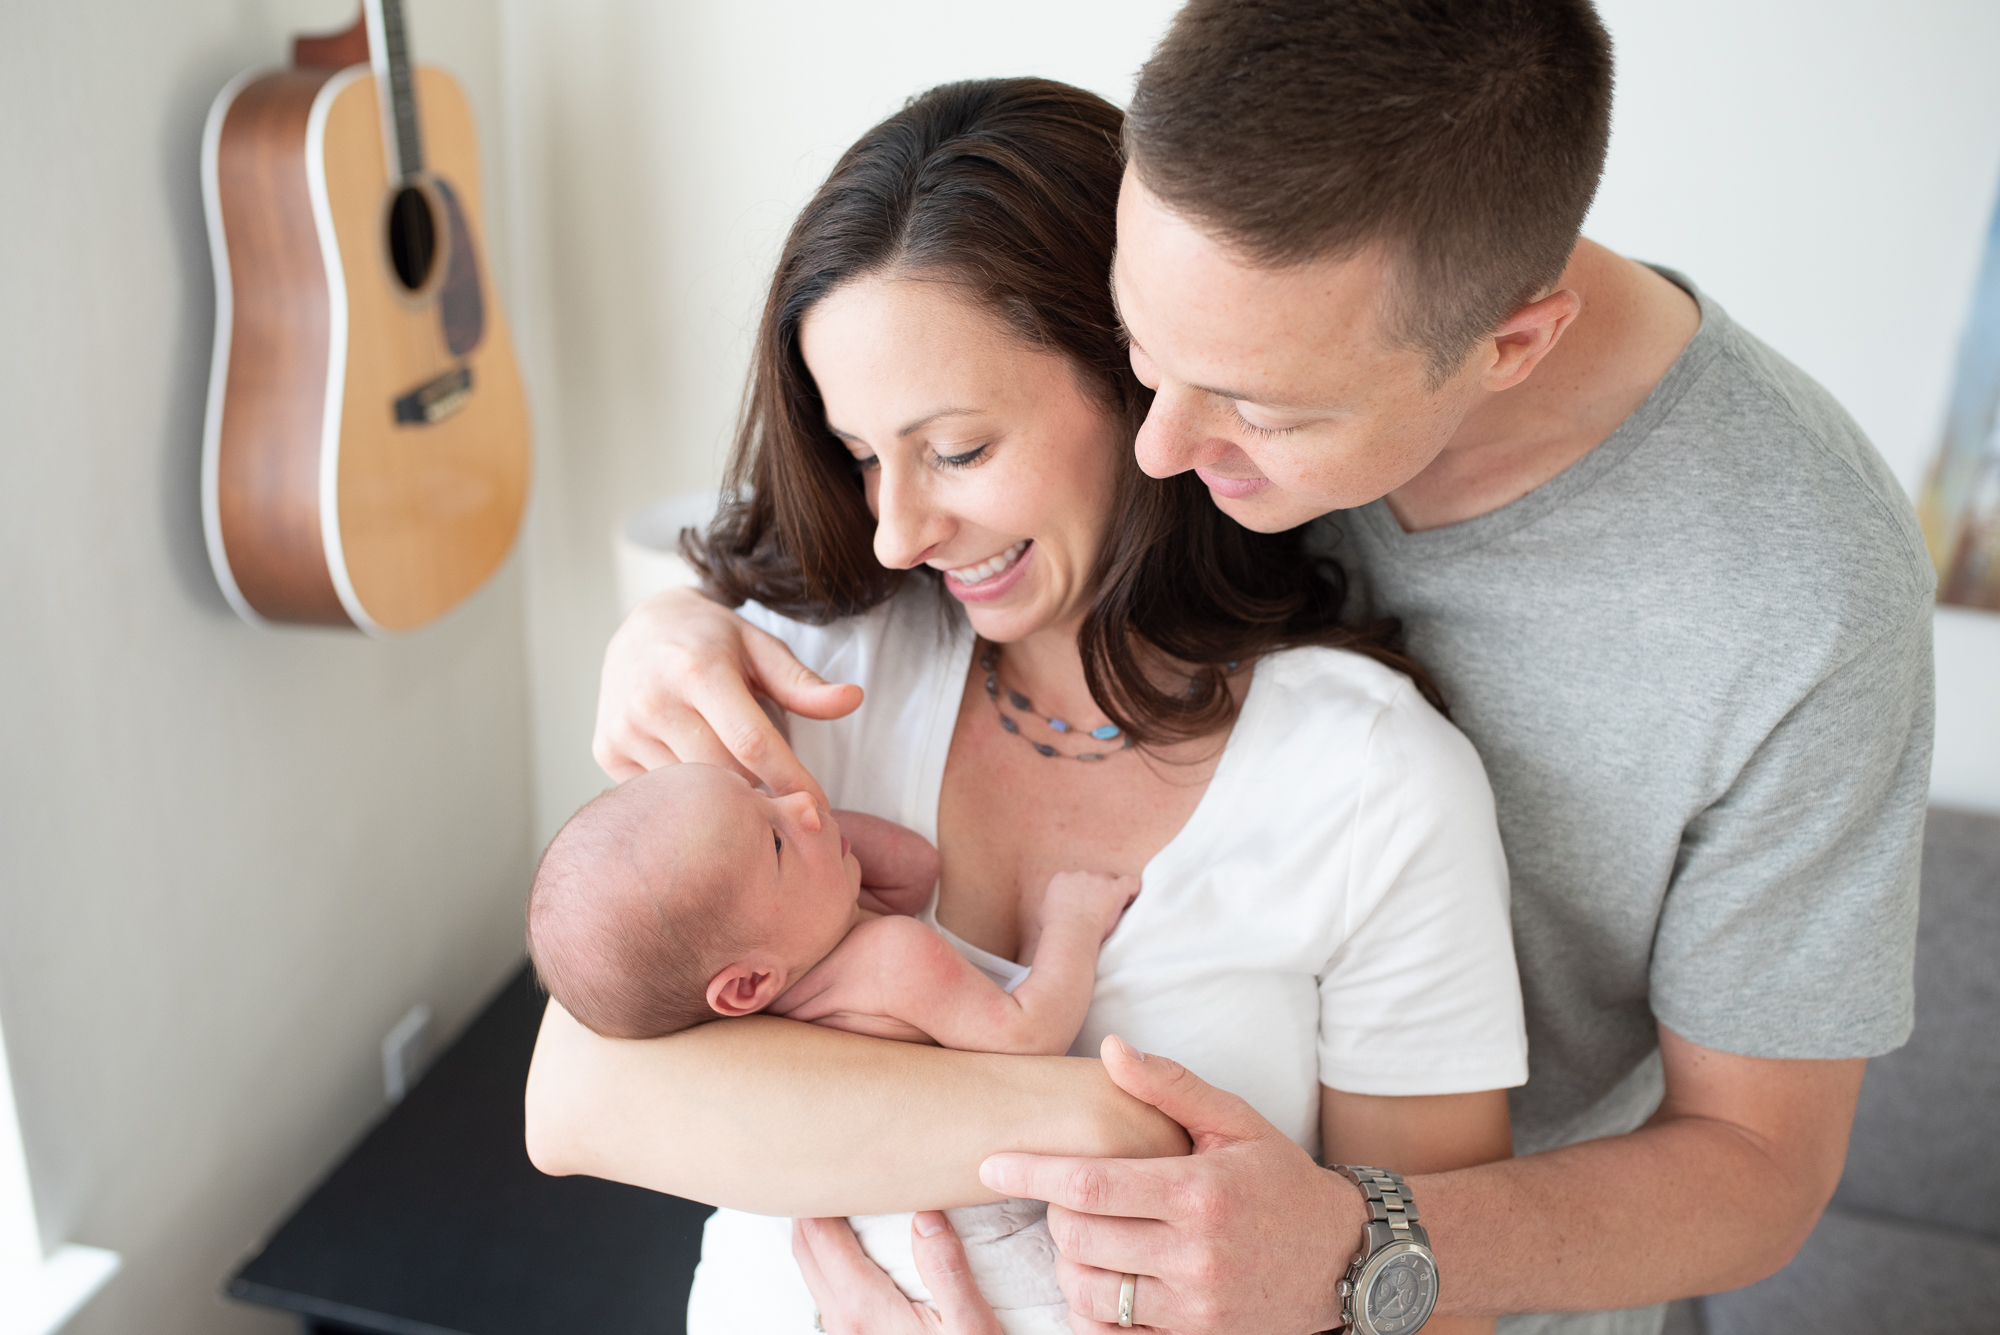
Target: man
1670, 592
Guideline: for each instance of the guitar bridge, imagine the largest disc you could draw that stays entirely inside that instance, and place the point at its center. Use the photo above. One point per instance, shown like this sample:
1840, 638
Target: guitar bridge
435, 400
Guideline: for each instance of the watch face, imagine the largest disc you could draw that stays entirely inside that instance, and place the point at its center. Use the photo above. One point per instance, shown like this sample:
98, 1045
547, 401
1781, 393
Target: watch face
1402, 1294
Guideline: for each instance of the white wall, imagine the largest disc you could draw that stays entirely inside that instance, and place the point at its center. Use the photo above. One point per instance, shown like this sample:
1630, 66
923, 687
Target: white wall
1827, 170
1823, 167
230, 858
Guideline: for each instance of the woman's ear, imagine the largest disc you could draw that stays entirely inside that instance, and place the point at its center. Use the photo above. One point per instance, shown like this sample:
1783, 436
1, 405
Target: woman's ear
748, 986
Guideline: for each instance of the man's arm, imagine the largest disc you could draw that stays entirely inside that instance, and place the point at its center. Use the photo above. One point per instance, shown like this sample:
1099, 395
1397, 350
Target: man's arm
1717, 1190
782, 1118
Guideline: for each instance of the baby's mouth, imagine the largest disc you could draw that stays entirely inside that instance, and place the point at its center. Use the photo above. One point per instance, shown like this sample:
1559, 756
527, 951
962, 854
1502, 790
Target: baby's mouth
844, 845
992, 567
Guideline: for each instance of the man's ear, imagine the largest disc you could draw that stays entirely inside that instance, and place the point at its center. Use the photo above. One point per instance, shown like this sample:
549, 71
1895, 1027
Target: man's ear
1527, 336
749, 985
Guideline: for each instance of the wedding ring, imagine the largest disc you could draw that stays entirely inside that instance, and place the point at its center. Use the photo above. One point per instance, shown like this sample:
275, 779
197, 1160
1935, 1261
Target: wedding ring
1126, 1290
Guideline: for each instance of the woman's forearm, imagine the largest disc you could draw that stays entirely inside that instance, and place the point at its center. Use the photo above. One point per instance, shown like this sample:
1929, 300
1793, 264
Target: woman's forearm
777, 1117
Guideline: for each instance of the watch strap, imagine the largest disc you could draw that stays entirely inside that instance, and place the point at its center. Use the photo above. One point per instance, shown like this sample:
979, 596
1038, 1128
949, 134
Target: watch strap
1390, 1205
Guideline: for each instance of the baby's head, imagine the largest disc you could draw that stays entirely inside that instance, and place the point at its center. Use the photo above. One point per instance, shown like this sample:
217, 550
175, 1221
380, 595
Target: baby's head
684, 894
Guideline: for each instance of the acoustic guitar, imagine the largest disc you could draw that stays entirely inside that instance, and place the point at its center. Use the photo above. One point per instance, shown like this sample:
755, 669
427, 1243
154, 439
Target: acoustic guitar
365, 460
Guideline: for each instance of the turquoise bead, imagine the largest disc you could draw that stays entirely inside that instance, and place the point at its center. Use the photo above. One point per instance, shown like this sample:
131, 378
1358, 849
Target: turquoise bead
1105, 733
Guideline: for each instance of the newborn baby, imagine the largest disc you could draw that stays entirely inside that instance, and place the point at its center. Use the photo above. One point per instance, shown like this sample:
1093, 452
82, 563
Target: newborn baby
685, 894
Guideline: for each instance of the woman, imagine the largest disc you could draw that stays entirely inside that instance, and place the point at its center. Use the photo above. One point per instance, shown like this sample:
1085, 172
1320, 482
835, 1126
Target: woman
1067, 666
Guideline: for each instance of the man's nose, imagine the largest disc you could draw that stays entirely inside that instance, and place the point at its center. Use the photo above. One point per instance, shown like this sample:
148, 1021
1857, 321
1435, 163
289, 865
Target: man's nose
1173, 437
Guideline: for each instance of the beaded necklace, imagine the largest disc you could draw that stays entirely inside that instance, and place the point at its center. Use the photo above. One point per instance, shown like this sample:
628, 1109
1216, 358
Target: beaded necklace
990, 662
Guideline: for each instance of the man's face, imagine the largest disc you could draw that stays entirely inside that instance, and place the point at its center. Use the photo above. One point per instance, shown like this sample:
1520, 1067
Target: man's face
1276, 386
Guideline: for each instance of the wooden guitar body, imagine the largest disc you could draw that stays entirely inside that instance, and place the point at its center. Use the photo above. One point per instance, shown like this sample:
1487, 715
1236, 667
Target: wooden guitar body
366, 458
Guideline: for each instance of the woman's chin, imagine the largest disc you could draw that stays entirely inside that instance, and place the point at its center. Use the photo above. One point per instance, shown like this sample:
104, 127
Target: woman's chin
1001, 626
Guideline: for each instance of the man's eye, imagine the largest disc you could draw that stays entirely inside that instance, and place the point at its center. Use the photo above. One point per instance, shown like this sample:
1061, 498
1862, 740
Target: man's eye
1266, 431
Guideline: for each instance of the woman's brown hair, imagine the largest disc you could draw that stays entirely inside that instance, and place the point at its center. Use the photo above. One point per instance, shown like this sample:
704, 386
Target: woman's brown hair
1009, 187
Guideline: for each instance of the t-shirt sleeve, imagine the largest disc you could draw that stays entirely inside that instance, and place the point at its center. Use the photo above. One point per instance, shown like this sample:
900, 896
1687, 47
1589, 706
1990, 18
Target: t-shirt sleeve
1790, 926
1421, 996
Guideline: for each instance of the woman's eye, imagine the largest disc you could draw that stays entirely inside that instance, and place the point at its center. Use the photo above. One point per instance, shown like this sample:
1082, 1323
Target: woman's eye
865, 462
966, 460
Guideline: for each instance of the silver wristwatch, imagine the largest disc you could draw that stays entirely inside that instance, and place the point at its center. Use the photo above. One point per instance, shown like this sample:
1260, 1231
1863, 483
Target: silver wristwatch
1392, 1285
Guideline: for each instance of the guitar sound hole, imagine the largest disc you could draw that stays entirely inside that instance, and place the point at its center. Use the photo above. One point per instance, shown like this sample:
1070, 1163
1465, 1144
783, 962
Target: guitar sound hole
412, 237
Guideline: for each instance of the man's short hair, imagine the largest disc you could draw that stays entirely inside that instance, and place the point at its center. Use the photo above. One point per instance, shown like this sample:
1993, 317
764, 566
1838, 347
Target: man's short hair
1464, 137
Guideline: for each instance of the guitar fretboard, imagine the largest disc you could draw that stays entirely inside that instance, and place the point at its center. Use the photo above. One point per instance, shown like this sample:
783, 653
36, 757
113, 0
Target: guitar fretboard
392, 63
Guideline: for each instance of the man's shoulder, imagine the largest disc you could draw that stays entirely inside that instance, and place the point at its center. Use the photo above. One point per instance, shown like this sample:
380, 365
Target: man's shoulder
1769, 470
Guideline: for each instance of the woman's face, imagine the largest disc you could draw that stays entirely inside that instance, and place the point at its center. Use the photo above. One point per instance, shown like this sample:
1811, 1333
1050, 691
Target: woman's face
983, 456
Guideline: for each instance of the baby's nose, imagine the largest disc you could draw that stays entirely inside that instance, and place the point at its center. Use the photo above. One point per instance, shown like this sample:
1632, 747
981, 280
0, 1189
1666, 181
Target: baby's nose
806, 811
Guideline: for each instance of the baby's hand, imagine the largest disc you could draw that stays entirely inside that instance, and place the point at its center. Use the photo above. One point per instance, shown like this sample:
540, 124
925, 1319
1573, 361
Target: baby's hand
899, 868
1099, 898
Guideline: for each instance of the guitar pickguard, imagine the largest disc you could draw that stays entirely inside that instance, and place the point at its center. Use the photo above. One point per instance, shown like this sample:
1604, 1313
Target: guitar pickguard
459, 303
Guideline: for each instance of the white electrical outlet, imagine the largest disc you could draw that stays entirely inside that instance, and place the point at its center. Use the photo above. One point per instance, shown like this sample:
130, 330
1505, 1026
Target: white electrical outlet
404, 1049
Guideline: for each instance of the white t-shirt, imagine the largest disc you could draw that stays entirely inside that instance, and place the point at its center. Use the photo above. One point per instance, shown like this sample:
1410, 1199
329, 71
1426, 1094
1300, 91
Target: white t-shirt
1334, 912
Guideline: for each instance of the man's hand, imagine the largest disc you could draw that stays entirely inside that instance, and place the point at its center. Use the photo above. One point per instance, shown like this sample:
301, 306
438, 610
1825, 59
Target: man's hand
855, 1297
1245, 1234
680, 683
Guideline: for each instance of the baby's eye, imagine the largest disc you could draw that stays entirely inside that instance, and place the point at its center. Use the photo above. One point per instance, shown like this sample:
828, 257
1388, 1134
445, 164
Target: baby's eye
778, 842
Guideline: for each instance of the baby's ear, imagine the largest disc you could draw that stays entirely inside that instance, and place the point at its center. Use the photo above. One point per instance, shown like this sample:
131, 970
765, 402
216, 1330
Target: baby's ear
747, 986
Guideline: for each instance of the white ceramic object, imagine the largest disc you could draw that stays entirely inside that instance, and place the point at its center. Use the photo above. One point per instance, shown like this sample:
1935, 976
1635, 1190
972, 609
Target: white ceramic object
646, 546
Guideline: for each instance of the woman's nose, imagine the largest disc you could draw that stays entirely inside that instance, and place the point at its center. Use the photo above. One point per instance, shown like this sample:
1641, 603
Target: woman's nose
907, 525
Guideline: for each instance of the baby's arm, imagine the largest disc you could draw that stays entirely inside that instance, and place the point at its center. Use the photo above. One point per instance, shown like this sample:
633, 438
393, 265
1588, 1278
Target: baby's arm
892, 976
899, 868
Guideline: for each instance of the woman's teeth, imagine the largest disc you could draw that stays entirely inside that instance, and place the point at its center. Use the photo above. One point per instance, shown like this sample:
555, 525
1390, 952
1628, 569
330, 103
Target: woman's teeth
990, 567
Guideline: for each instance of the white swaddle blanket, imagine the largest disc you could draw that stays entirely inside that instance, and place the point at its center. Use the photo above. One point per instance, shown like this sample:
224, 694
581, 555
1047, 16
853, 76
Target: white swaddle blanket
1008, 1248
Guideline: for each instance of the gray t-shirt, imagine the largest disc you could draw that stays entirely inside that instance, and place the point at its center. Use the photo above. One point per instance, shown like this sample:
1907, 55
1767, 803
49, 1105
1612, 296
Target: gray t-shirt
1697, 665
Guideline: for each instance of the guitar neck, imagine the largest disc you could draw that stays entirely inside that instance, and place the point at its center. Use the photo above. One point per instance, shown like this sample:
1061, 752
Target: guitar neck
389, 48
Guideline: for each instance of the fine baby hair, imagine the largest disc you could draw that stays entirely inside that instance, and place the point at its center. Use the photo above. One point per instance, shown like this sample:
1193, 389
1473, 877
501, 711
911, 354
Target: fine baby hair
630, 913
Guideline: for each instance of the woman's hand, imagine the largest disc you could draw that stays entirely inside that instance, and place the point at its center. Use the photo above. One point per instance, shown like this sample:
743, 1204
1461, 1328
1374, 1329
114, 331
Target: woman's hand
681, 681
855, 1297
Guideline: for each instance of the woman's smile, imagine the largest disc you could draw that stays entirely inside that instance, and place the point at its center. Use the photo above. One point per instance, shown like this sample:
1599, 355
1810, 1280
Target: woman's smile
969, 438
986, 580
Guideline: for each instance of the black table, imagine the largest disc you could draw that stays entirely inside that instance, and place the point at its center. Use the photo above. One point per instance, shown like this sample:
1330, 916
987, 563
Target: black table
437, 1224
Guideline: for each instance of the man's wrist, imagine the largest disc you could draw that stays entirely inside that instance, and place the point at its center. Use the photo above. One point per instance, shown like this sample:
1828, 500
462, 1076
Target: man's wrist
1345, 1229
1392, 1284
